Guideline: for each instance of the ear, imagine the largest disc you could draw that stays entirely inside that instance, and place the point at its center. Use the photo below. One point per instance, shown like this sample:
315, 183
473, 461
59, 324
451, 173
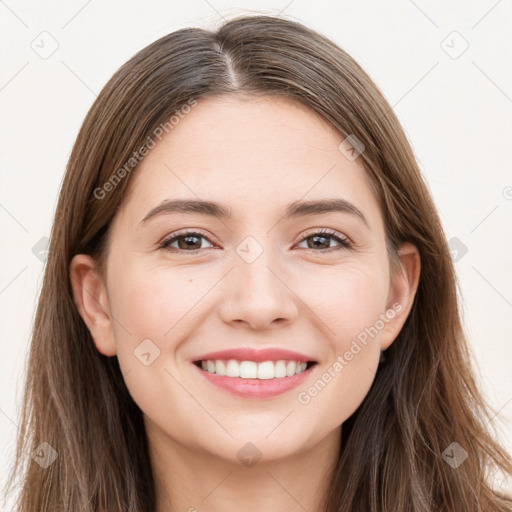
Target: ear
403, 286
90, 295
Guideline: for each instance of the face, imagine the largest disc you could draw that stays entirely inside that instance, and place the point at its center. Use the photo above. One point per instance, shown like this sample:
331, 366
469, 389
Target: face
269, 274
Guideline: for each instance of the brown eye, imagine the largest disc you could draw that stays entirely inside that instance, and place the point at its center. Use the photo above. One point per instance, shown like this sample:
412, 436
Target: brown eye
322, 241
189, 241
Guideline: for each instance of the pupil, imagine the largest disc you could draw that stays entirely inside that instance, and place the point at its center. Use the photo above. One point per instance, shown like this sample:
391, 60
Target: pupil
189, 245
316, 238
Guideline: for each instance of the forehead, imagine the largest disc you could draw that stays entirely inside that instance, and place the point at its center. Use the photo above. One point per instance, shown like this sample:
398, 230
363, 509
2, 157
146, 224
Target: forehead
245, 152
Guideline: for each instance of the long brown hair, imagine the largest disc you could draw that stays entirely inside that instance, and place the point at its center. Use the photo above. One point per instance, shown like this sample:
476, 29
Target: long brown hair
424, 397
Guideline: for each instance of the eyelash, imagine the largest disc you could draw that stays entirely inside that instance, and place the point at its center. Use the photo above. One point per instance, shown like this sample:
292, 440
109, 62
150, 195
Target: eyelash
344, 243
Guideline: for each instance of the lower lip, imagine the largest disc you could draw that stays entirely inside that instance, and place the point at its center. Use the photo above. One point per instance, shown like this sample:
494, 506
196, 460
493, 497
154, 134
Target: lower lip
256, 388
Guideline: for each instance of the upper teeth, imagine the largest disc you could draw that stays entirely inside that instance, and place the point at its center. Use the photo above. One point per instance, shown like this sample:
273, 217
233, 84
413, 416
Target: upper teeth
253, 370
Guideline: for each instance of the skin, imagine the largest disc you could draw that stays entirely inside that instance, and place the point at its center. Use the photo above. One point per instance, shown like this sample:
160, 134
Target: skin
255, 157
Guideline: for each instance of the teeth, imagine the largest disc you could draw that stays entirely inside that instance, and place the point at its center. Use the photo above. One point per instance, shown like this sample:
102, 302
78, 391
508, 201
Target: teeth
220, 368
232, 369
291, 368
252, 370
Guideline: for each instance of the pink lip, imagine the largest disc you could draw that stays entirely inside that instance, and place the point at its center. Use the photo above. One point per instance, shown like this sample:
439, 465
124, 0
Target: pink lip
256, 388
247, 354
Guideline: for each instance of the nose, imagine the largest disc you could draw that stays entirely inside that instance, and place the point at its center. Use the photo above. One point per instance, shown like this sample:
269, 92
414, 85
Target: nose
258, 295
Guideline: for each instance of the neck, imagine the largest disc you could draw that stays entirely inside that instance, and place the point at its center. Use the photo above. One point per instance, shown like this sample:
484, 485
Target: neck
189, 479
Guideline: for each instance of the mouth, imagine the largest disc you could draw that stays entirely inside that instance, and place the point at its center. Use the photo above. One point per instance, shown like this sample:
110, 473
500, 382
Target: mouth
255, 380
264, 370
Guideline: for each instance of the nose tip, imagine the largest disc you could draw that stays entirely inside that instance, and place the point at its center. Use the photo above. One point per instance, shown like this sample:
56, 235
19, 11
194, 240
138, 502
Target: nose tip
258, 297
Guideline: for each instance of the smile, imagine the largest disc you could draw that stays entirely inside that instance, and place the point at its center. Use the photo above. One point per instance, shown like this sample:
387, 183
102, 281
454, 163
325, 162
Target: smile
254, 370
249, 379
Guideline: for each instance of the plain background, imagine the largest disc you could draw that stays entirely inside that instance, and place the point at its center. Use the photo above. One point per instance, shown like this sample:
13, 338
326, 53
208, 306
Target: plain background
444, 67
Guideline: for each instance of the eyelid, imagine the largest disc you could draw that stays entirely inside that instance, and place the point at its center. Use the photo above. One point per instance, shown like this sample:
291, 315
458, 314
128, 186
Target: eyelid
323, 231
188, 231
344, 242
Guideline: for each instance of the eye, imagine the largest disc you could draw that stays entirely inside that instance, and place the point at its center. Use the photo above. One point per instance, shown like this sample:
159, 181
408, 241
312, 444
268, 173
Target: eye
322, 240
188, 241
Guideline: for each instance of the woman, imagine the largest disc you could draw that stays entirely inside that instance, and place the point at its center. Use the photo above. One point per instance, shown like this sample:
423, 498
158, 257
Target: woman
249, 302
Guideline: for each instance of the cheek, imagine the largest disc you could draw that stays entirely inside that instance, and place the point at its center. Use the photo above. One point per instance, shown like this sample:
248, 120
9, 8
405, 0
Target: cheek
349, 300
151, 310
152, 301
338, 389
155, 308
145, 307
351, 304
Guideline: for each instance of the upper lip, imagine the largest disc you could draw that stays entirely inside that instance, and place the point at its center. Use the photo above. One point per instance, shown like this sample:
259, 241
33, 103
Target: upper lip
249, 354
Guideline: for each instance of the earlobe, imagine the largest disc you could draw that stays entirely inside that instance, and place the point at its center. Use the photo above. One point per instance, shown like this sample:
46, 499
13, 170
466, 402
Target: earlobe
90, 296
403, 287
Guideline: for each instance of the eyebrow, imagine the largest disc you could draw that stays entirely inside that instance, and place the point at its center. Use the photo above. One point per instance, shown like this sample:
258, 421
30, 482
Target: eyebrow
293, 210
